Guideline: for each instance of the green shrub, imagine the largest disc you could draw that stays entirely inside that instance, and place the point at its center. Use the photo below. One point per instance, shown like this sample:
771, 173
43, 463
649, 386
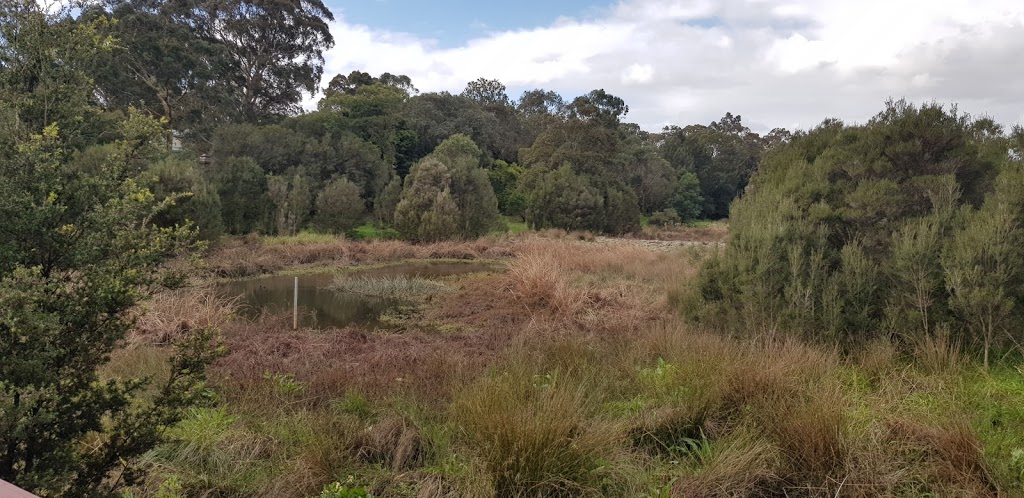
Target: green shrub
339, 207
902, 226
665, 218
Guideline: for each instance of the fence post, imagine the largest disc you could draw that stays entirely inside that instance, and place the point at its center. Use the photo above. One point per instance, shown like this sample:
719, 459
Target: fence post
295, 306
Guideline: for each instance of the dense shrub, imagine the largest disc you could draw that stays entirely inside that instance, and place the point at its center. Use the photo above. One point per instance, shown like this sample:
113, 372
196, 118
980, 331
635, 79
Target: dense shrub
198, 203
665, 218
339, 207
905, 224
446, 195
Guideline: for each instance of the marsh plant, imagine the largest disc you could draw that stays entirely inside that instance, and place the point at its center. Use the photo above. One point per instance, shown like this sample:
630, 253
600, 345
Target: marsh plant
396, 287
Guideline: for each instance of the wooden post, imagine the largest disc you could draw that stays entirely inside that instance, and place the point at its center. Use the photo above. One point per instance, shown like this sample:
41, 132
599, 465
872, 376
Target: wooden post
295, 306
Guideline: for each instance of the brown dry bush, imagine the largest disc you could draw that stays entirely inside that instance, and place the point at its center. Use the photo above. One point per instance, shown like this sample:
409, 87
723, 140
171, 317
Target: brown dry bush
243, 258
395, 443
742, 465
163, 318
951, 455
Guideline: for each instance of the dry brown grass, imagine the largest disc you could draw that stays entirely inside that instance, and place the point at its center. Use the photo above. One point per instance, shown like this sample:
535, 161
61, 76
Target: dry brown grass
711, 232
536, 440
164, 317
246, 257
568, 373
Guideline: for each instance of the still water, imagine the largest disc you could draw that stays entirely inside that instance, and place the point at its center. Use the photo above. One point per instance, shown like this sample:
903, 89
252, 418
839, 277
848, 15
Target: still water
322, 307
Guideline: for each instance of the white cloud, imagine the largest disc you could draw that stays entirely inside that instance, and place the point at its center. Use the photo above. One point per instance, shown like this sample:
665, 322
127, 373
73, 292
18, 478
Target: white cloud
638, 74
777, 62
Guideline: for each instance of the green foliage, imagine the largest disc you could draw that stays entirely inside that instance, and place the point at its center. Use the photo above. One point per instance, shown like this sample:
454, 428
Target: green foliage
44, 63
79, 251
621, 211
722, 155
563, 199
385, 204
338, 490
893, 226
504, 178
339, 208
194, 199
667, 217
447, 195
242, 188
292, 200
687, 199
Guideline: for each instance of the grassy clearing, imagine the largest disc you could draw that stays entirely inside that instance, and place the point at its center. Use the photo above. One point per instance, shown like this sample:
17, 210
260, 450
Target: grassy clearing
515, 225
370, 231
572, 375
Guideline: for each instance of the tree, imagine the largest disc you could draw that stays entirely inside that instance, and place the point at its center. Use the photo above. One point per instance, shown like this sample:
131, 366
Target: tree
504, 178
275, 47
984, 265
194, 199
563, 199
621, 211
426, 184
292, 201
370, 112
342, 84
723, 155
44, 62
487, 93
452, 171
846, 231
242, 187
339, 207
78, 251
470, 188
651, 177
686, 200
163, 67
387, 201
599, 106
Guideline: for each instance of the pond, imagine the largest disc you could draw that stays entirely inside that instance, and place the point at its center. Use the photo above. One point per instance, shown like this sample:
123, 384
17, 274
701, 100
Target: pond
320, 306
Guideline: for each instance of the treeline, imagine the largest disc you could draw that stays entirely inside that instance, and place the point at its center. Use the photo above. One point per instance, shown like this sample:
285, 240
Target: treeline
376, 150
226, 77
909, 227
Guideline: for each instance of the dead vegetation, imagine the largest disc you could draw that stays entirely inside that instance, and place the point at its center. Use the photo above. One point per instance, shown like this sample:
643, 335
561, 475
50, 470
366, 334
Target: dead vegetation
571, 374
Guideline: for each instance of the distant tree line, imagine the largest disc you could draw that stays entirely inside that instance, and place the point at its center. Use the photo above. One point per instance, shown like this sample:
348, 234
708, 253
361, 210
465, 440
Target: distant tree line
227, 77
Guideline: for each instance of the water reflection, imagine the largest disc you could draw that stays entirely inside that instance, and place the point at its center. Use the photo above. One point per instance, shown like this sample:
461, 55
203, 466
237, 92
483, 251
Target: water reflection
322, 307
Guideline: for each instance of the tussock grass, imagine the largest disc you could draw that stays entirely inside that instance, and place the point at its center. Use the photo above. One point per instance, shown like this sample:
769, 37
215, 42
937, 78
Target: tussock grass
572, 375
396, 287
164, 317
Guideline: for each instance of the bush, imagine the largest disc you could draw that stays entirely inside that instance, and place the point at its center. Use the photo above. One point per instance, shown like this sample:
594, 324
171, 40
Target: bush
199, 202
905, 225
447, 195
339, 207
665, 218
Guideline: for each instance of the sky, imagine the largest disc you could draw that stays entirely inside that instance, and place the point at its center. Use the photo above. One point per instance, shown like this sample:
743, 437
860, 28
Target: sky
777, 63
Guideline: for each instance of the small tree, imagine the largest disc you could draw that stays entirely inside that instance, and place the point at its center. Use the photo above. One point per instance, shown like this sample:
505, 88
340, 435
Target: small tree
292, 200
984, 265
621, 213
242, 188
440, 222
200, 203
385, 203
687, 200
425, 182
80, 251
339, 207
563, 199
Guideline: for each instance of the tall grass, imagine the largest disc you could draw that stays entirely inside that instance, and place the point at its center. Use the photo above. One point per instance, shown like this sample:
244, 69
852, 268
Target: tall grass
396, 287
572, 375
